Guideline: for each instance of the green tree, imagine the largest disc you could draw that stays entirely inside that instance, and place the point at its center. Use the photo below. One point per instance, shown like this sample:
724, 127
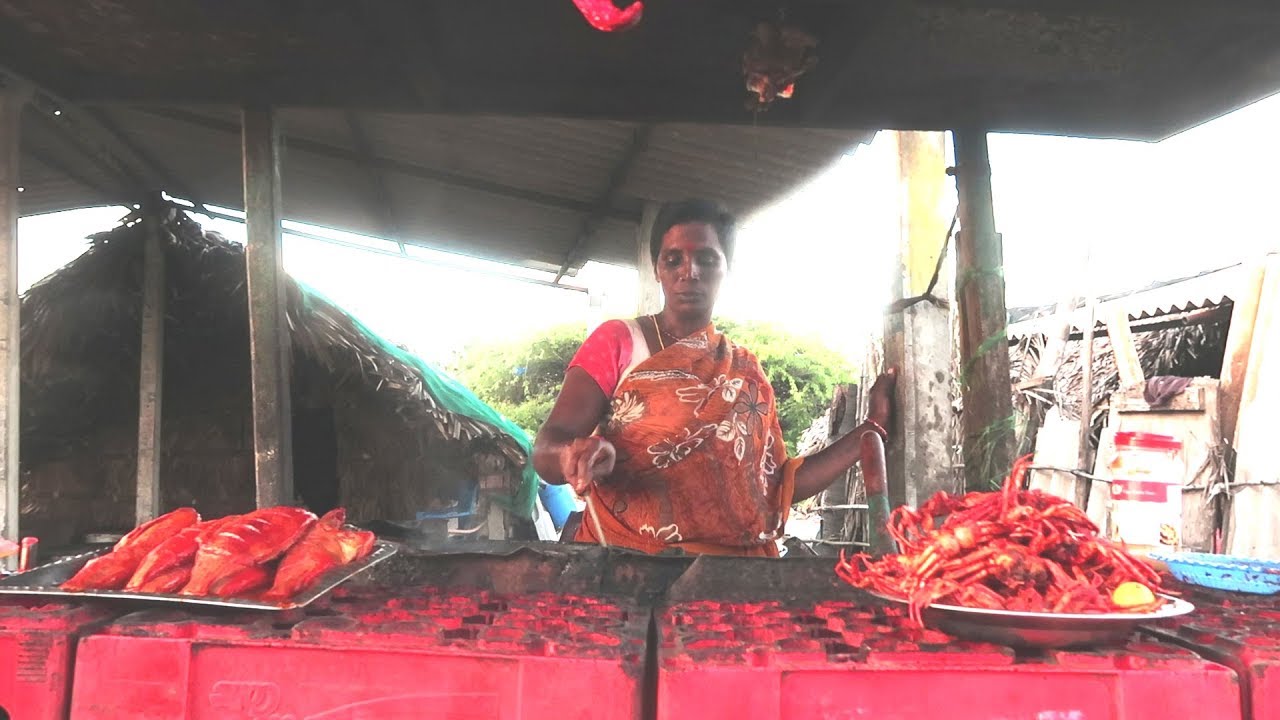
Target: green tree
522, 378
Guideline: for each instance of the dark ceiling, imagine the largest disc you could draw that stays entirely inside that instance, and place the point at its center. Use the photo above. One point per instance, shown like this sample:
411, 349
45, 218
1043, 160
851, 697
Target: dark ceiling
514, 130
1131, 68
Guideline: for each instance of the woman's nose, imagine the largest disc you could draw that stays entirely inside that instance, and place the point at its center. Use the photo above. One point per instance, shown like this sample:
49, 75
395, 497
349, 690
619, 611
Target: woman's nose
692, 272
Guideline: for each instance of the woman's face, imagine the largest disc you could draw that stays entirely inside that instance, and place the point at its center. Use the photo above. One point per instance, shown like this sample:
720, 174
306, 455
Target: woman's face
690, 267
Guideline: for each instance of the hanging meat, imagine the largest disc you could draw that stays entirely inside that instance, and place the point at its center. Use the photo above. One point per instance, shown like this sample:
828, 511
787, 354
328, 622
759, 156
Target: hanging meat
776, 56
605, 16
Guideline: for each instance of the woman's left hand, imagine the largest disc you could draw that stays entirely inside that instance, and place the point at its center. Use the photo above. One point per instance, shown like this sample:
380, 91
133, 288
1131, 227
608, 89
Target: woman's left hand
880, 399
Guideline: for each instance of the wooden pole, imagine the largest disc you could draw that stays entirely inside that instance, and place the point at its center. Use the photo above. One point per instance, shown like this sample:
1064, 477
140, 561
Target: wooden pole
984, 344
1119, 334
1086, 380
1244, 314
12, 99
269, 340
151, 362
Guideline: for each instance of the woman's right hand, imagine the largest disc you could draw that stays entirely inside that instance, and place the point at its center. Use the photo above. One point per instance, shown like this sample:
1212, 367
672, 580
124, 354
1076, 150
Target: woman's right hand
585, 460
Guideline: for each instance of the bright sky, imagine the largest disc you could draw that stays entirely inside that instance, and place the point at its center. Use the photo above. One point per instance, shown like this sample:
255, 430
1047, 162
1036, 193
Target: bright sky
819, 260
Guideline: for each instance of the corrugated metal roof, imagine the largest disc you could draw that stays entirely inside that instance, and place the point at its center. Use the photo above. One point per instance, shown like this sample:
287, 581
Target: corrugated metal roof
513, 189
1209, 289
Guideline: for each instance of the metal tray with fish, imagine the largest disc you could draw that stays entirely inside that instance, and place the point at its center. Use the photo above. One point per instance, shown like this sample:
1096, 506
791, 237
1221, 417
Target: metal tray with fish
1041, 630
46, 580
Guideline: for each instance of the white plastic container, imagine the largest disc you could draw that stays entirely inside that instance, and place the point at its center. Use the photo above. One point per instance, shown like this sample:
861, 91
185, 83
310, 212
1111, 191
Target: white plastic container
1146, 492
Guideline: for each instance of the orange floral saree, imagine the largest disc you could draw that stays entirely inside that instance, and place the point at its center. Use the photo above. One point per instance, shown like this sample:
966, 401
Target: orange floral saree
701, 462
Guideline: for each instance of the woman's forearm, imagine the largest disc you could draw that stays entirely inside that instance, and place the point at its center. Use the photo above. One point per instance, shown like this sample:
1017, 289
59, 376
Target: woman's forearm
547, 448
822, 468
575, 415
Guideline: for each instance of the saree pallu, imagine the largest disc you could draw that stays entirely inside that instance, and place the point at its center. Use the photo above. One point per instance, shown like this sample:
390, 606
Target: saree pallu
701, 461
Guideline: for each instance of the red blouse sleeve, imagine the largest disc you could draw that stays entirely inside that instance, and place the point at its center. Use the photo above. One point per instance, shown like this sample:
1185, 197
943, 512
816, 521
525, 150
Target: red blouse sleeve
605, 354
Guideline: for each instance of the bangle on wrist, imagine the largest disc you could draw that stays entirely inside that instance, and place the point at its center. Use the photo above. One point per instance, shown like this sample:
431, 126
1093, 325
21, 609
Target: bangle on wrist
884, 434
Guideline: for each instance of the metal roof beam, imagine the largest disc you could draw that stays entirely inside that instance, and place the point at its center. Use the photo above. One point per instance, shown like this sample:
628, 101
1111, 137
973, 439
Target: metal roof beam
74, 125
617, 179
403, 168
100, 157
380, 198
400, 254
172, 182
66, 171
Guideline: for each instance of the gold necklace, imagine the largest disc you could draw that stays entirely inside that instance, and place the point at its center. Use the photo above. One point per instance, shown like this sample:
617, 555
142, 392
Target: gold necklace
662, 345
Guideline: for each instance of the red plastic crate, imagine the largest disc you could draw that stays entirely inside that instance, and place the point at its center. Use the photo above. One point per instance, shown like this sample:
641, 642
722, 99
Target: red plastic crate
762, 661
1241, 632
37, 641
371, 653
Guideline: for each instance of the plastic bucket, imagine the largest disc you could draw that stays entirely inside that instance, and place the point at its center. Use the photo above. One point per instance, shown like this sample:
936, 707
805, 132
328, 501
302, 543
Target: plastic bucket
558, 500
1146, 491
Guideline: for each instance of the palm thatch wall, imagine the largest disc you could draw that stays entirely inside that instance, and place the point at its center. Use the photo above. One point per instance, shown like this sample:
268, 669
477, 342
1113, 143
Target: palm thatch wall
367, 432
1192, 350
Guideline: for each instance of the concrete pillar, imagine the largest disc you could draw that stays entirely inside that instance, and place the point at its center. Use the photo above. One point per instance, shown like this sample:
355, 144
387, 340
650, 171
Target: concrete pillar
648, 291
12, 100
918, 339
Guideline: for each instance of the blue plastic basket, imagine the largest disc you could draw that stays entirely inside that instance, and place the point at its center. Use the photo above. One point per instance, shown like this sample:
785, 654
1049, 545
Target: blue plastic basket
1223, 572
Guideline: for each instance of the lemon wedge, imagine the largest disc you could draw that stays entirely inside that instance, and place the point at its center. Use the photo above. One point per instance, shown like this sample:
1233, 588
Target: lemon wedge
1131, 595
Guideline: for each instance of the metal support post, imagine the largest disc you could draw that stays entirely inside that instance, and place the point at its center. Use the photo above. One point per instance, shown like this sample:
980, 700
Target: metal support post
151, 363
984, 343
269, 340
12, 100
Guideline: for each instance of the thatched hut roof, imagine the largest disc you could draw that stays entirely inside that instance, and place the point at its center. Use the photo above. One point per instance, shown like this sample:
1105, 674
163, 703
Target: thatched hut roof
1179, 328
1187, 351
80, 346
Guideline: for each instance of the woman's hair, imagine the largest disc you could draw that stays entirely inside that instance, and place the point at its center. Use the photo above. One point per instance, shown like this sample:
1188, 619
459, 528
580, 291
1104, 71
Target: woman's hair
694, 210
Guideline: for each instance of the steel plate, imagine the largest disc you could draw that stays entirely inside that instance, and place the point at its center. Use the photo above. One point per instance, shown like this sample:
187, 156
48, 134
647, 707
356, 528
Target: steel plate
46, 579
1041, 630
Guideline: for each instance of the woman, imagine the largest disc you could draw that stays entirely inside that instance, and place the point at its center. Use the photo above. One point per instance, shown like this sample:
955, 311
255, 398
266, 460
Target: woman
672, 426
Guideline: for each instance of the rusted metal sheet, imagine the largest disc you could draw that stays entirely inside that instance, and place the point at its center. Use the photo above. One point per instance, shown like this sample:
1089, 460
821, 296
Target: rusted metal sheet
269, 344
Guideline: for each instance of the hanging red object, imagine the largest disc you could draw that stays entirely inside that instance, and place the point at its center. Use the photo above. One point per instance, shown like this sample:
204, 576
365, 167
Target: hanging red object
776, 56
604, 15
